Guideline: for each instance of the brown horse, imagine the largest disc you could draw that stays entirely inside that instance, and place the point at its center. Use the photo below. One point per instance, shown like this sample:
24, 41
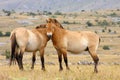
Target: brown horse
28, 40
75, 42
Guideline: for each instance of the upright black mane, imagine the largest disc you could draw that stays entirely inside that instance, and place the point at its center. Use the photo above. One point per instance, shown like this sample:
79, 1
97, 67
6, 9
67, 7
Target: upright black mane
41, 26
55, 21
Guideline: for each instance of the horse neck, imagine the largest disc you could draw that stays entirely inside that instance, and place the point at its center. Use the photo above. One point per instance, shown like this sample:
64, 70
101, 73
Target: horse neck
58, 33
44, 33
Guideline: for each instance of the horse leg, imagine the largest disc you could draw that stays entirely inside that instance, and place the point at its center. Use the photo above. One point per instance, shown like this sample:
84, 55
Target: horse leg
21, 57
60, 60
19, 60
64, 52
33, 60
93, 54
42, 59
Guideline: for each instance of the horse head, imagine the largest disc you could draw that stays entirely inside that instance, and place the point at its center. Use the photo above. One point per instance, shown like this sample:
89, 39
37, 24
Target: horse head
54, 21
51, 25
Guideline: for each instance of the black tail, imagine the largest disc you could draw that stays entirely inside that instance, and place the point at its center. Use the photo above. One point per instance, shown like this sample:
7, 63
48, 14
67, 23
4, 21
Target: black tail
13, 46
99, 40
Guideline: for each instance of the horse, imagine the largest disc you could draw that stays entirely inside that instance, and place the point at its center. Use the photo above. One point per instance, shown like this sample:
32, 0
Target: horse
72, 41
23, 40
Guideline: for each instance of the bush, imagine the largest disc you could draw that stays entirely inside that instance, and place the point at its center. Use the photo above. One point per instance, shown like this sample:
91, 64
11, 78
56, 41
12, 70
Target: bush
66, 22
31, 14
47, 13
7, 34
113, 14
109, 30
118, 22
57, 13
82, 10
7, 54
89, 23
105, 47
103, 30
53, 16
1, 34
103, 23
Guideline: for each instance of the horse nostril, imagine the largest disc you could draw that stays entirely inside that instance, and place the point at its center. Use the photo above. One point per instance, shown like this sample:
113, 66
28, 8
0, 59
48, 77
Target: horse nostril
49, 35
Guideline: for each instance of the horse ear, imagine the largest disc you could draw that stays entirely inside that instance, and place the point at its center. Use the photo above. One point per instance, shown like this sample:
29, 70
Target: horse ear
58, 23
37, 27
55, 21
47, 20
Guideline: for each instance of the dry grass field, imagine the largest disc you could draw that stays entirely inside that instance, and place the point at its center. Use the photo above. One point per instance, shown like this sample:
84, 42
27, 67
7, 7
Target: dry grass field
76, 72
109, 64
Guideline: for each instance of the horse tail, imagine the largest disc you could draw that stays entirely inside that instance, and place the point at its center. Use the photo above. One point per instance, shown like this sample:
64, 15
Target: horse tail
99, 40
13, 47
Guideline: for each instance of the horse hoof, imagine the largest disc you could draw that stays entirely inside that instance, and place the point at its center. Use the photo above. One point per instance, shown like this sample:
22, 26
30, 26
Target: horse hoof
21, 69
43, 69
68, 68
96, 71
32, 68
60, 69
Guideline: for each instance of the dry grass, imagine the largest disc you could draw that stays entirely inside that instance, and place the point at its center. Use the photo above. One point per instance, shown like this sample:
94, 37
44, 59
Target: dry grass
76, 73
107, 71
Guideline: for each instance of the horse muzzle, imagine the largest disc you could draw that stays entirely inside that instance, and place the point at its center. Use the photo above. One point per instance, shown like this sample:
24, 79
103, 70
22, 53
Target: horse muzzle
49, 35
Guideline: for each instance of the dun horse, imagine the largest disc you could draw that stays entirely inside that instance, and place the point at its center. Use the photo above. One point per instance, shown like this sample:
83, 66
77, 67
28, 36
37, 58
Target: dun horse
75, 42
28, 40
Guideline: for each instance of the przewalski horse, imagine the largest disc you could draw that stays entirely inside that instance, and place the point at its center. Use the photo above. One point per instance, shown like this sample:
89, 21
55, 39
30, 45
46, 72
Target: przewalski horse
28, 40
72, 41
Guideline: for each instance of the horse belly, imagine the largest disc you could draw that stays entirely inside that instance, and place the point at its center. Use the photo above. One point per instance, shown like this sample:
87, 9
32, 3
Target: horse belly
76, 49
33, 43
77, 46
32, 47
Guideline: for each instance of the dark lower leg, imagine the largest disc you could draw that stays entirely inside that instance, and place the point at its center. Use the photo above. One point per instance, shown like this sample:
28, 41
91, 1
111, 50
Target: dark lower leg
96, 63
42, 62
95, 57
11, 59
60, 61
21, 63
18, 61
33, 62
66, 61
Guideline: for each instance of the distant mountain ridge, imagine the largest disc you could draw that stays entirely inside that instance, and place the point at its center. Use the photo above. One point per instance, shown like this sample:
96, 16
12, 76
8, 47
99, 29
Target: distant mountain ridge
58, 5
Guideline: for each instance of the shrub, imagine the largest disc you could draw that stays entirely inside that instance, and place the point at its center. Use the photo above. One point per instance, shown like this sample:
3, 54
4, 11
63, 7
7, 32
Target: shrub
109, 30
103, 30
82, 10
89, 23
31, 14
1, 34
47, 13
103, 23
57, 13
53, 16
113, 14
105, 47
66, 22
118, 22
7, 34
7, 54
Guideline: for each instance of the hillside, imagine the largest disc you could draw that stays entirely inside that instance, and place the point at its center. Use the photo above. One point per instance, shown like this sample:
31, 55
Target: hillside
58, 5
